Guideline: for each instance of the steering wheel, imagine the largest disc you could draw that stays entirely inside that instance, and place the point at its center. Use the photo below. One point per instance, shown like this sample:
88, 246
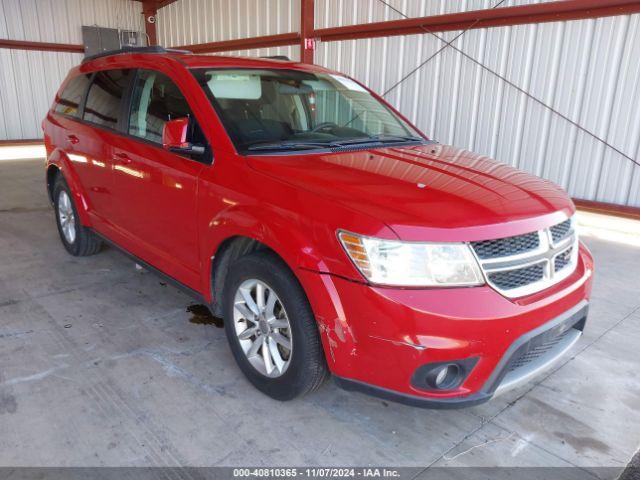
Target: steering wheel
324, 126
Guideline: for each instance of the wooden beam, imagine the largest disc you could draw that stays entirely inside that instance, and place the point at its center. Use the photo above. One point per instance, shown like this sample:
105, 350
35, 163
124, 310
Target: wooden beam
307, 28
499, 17
279, 40
41, 46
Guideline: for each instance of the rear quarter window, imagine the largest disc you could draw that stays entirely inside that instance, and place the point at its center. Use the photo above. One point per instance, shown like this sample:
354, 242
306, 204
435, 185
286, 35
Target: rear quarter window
105, 97
68, 101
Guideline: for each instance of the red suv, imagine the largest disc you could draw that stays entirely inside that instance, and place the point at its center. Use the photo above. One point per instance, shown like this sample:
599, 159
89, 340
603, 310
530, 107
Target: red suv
330, 234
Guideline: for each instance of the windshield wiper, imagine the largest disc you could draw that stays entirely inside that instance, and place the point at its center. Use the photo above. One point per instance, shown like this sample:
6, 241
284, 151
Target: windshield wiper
376, 139
288, 146
284, 145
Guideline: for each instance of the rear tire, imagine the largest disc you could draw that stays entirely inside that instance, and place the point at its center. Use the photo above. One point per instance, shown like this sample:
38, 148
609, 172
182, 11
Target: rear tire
294, 363
78, 240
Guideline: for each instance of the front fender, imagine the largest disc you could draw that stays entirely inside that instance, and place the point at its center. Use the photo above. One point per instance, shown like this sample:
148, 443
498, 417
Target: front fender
304, 249
59, 159
268, 227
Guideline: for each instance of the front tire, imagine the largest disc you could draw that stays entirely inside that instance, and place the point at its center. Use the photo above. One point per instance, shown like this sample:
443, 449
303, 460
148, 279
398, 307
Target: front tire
271, 329
77, 239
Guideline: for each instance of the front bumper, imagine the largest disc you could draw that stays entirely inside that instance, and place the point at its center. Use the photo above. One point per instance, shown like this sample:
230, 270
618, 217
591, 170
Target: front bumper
529, 356
376, 338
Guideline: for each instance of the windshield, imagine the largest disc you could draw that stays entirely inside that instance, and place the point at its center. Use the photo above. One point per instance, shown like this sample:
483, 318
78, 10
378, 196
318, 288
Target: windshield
266, 110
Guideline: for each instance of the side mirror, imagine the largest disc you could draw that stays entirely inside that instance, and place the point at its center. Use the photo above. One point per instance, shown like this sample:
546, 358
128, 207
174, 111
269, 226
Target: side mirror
174, 137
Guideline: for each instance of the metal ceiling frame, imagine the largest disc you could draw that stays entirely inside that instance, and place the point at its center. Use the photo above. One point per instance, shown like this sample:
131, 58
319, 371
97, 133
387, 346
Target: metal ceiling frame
553, 11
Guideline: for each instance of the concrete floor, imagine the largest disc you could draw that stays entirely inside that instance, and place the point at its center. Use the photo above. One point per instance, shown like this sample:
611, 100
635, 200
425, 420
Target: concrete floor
100, 365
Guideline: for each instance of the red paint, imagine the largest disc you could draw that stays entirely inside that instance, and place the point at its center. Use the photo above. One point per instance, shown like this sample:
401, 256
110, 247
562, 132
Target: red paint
174, 213
174, 133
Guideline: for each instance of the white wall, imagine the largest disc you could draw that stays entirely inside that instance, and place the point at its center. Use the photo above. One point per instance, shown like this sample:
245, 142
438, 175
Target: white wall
187, 22
29, 79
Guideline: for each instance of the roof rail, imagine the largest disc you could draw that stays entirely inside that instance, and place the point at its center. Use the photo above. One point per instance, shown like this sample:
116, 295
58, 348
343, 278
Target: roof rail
277, 57
152, 49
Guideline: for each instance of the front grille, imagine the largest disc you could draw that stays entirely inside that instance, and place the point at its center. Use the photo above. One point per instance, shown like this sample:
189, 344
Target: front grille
560, 231
510, 279
562, 260
505, 247
533, 352
524, 264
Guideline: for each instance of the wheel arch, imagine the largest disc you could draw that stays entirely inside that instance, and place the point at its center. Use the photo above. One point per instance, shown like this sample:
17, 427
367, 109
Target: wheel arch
58, 164
230, 249
53, 171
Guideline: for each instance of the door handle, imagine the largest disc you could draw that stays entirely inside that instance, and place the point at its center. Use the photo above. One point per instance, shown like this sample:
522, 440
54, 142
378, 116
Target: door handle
122, 158
73, 139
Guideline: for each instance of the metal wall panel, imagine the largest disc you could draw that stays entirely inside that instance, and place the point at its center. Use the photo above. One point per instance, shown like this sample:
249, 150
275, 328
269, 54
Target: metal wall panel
588, 70
59, 21
29, 79
187, 22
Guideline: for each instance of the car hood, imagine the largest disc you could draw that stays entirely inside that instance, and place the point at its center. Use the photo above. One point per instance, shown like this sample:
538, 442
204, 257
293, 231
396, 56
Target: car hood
428, 192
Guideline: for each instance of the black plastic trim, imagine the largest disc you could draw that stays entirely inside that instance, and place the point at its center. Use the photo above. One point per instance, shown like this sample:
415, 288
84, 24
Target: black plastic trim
411, 400
152, 50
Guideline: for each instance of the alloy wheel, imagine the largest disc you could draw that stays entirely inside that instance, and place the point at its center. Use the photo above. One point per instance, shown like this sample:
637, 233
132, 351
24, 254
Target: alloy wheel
67, 217
262, 327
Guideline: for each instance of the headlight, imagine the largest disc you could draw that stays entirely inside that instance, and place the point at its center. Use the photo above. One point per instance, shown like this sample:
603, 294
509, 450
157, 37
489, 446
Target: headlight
412, 264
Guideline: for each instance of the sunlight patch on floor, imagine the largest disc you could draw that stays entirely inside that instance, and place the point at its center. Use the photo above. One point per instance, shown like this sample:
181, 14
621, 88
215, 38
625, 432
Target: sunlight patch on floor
22, 152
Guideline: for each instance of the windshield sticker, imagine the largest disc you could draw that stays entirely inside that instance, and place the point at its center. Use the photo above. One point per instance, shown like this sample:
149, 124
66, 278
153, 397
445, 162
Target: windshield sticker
235, 86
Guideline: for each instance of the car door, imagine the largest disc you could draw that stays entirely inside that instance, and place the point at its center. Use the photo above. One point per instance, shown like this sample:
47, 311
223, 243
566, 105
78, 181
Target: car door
155, 189
101, 121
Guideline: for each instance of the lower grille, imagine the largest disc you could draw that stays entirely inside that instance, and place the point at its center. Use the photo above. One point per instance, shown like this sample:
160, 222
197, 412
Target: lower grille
529, 355
517, 278
538, 349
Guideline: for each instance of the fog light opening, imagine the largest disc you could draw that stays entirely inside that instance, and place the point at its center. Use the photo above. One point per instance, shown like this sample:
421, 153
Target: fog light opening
442, 376
445, 376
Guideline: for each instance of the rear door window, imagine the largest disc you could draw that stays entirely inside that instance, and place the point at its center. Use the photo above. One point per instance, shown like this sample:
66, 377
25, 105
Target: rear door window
104, 100
155, 100
68, 102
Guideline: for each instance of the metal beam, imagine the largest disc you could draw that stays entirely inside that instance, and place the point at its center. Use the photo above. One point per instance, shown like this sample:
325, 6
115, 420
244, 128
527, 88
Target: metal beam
307, 27
498, 17
41, 46
150, 10
282, 39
